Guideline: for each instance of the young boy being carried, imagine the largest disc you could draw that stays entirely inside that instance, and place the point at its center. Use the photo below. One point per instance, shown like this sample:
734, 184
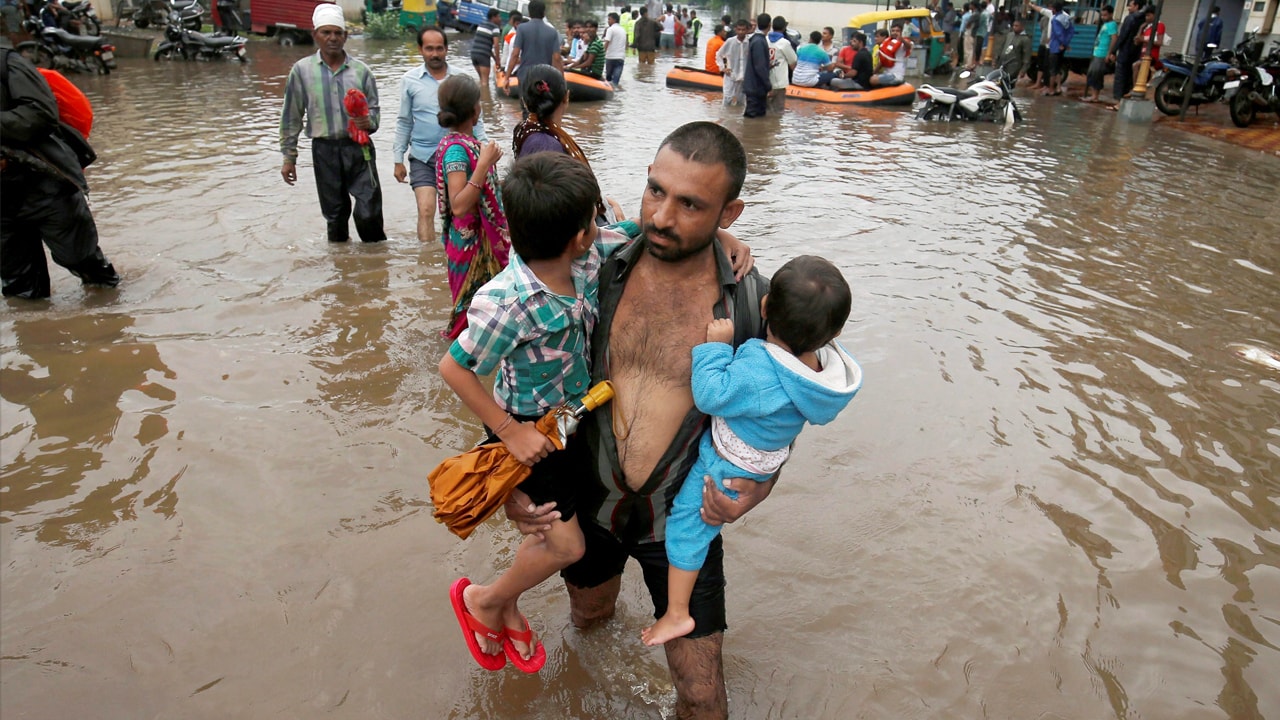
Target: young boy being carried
532, 323
760, 398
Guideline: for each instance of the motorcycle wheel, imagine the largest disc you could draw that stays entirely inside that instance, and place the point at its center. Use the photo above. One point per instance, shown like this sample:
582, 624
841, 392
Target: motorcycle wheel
935, 112
103, 67
1169, 94
169, 53
39, 55
1242, 110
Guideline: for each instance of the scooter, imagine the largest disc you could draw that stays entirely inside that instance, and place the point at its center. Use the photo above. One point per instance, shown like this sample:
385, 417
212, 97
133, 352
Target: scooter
186, 44
56, 49
1253, 88
988, 100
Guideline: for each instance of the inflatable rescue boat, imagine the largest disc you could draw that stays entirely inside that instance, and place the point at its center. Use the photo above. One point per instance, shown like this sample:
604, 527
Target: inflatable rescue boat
683, 76
581, 87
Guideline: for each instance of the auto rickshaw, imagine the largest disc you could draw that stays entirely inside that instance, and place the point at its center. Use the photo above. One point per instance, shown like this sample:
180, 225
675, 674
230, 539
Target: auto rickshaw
417, 14
931, 38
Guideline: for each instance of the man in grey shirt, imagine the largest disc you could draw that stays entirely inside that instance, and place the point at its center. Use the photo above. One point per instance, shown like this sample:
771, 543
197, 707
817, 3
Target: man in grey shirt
536, 43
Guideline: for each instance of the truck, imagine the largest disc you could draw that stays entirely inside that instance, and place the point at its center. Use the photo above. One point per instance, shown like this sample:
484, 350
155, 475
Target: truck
289, 21
466, 16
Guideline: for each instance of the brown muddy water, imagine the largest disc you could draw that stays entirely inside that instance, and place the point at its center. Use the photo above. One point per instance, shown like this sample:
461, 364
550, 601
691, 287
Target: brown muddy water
1055, 497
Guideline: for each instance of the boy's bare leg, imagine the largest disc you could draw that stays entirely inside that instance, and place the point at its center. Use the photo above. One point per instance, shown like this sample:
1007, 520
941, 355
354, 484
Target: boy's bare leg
496, 604
426, 197
677, 622
697, 670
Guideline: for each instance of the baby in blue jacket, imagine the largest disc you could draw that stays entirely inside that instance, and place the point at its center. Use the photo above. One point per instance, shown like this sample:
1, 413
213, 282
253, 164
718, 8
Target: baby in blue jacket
760, 397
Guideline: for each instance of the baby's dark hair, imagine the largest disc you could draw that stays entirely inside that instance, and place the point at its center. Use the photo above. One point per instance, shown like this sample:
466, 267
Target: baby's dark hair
543, 89
549, 198
458, 96
808, 304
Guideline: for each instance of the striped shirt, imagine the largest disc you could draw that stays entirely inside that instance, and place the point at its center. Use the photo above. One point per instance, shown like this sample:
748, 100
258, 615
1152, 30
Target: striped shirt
537, 340
641, 516
316, 92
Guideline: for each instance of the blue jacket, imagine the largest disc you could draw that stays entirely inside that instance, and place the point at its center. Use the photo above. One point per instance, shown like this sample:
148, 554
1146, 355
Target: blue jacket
766, 394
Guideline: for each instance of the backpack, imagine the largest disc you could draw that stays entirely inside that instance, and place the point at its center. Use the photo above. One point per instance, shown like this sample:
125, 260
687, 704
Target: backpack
70, 136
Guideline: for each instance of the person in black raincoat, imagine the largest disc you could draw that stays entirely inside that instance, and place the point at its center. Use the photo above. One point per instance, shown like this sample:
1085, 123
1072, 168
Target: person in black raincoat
42, 187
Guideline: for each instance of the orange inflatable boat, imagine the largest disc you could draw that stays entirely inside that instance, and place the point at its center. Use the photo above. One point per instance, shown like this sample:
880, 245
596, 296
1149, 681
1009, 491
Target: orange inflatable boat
683, 76
581, 87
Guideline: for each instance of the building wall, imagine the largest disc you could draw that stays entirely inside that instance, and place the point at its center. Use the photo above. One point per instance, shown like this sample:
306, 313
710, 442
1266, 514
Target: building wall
807, 15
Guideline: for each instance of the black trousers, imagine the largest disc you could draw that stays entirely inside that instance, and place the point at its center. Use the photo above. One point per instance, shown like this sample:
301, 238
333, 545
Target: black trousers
756, 104
1122, 83
342, 174
39, 208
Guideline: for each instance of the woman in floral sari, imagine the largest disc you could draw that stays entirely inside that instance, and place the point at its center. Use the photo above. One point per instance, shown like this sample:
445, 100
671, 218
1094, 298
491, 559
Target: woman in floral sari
475, 235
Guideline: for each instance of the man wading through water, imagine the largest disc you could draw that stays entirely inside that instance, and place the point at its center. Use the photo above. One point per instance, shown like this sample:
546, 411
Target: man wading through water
645, 445
316, 87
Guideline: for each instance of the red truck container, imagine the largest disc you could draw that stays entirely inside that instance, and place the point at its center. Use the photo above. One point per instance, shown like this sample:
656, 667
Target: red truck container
289, 20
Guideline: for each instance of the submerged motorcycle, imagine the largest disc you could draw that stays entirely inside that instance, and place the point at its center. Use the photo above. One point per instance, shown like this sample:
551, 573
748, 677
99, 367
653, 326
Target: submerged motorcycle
180, 42
988, 100
1254, 88
56, 49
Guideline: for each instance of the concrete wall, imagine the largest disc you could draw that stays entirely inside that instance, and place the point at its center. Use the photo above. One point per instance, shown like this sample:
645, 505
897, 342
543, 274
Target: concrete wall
807, 15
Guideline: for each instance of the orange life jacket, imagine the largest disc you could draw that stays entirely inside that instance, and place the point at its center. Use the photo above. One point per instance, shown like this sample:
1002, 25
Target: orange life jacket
888, 51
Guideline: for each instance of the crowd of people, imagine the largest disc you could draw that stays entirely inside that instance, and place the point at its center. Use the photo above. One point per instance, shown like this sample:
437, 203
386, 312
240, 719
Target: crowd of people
554, 291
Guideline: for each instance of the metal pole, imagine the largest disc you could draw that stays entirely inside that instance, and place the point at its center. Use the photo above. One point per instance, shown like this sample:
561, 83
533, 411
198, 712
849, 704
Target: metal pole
1189, 87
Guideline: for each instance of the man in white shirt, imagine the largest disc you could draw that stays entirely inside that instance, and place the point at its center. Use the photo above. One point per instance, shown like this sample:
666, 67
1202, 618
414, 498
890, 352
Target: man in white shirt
615, 51
783, 59
668, 37
732, 59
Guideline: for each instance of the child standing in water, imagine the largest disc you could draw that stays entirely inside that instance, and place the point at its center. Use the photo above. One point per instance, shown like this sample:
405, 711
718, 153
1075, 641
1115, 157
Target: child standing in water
760, 398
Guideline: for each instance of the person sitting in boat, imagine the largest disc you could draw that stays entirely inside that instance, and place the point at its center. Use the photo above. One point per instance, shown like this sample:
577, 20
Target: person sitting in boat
813, 66
859, 74
547, 96
895, 51
591, 61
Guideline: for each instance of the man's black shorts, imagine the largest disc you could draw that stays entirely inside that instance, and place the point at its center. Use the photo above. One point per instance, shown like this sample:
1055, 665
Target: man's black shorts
606, 556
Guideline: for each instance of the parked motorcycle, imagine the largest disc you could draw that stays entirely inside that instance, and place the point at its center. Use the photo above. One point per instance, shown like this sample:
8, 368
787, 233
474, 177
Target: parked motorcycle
57, 49
1207, 86
1254, 88
158, 12
988, 100
86, 15
183, 43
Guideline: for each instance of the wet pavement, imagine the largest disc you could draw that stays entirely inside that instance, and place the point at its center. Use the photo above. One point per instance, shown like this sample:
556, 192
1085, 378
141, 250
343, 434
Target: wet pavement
1055, 496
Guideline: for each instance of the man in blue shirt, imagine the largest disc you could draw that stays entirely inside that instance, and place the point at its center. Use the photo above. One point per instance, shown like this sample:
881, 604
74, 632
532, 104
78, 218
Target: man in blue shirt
1213, 36
417, 129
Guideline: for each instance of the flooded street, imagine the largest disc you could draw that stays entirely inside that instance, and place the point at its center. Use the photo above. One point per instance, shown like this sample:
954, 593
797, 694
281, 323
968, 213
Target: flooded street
1055, 496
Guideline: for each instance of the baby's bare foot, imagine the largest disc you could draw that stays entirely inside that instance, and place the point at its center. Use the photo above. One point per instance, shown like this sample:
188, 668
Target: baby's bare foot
668, 627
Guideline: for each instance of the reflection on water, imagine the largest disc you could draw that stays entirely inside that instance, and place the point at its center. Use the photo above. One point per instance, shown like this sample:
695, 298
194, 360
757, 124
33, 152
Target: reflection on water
89, 394
1055, 497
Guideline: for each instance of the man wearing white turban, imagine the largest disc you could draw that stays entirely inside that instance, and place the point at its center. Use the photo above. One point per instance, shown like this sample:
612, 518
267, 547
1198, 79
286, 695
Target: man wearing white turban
313, 101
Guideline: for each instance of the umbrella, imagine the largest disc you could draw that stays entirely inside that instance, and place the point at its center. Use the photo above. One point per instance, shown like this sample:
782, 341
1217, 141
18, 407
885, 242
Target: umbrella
466, 489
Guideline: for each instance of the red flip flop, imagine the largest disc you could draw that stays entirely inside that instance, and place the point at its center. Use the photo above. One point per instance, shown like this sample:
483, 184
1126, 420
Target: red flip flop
536, 660
471, 626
